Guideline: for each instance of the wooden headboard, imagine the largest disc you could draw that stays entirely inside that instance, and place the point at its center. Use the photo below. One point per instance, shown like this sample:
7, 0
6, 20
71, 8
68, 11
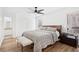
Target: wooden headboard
59, 27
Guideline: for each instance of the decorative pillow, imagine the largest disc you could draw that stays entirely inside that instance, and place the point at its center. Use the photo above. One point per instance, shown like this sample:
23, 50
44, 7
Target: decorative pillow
51, 29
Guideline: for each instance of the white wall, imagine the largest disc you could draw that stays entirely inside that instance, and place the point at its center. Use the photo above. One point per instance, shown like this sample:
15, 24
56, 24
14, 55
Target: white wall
58, 17
1, 27
23, 21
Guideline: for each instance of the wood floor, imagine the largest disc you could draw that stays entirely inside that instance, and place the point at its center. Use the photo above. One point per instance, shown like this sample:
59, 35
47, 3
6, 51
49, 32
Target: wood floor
10, 45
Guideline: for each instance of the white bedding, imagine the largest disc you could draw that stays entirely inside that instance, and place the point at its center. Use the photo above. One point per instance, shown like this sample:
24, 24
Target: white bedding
41, 38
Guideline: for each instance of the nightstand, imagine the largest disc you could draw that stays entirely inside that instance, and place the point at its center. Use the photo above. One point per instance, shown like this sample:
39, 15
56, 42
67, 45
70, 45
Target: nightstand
69, 39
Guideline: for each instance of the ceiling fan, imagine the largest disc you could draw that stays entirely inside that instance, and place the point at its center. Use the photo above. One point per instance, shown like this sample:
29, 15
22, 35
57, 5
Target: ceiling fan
36, 10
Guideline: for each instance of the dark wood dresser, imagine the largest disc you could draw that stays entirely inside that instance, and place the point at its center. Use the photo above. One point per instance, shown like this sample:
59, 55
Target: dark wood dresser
69, 39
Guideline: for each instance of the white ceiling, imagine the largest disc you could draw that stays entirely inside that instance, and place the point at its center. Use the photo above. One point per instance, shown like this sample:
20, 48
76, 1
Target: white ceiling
29, 9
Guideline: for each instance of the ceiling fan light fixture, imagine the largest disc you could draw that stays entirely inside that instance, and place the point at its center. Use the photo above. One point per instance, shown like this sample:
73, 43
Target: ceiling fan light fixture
36, 10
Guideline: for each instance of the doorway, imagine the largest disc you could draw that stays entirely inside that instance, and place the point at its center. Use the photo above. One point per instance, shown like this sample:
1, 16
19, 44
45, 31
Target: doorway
8, 28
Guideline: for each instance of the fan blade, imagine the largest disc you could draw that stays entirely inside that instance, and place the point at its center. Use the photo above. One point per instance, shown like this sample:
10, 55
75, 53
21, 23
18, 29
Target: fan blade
29, 11
40, 13
41, 10
30, 8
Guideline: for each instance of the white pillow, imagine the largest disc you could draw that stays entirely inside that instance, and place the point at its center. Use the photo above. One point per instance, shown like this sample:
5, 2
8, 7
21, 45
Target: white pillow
43, 28
58, 34
51, 29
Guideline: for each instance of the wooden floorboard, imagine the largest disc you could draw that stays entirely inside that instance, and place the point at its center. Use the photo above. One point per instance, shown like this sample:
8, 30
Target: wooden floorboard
10, 45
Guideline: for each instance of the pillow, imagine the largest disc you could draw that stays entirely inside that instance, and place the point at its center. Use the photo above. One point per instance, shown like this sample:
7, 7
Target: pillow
51, 29
43, 28
58, 34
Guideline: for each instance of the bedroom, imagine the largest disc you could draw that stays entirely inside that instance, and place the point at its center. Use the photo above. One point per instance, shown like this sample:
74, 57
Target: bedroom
20, 19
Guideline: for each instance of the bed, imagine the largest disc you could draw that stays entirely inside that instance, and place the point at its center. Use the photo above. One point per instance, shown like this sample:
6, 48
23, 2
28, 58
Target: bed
43, 36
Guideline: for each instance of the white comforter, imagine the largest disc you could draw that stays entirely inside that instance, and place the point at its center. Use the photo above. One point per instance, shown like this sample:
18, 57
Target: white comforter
41, 38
